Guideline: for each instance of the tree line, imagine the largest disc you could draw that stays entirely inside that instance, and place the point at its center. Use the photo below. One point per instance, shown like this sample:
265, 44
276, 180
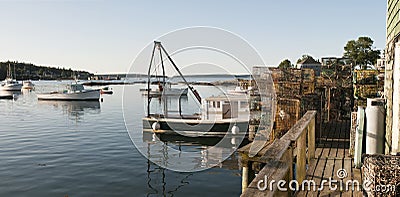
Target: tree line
25, 71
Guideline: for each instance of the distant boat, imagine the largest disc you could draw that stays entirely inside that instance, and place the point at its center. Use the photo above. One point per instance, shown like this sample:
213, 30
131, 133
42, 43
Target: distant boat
106, 90
28, 85
239, 91
10, 84
74, 92
167, 92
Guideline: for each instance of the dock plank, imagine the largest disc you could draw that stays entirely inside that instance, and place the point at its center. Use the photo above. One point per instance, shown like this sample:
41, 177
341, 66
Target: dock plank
347, 166
332, 155
327, 174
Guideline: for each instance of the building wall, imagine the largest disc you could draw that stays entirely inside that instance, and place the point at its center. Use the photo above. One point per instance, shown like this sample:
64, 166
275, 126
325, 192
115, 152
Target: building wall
392, 35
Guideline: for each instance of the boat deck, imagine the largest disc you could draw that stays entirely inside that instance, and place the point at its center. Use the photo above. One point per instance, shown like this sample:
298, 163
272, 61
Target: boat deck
332, 154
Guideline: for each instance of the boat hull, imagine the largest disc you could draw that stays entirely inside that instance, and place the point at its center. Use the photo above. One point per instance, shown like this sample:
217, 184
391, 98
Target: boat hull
11, 87
194, 127
6, 95
91, 95
167, 92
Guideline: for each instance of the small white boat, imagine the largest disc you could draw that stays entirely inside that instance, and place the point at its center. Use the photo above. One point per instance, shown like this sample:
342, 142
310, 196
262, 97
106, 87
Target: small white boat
167, 92
106, 90
10, 84
239, 91
6, 95
28, 85
74, 92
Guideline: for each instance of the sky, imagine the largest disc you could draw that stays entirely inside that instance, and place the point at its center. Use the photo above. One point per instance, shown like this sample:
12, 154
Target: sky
106, 36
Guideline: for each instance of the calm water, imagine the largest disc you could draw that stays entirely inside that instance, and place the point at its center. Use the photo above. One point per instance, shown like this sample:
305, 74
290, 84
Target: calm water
83, 149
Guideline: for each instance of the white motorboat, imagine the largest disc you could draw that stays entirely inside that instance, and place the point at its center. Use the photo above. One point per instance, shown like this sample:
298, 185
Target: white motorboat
10, 84
239, 91
28, 85
106, 90
167, 92
74, 92
6, 95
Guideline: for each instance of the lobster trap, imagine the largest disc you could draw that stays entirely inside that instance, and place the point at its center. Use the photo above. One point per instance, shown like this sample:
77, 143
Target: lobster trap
381, 175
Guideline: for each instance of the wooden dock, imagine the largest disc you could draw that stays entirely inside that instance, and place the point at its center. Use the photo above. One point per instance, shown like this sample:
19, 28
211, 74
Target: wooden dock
331, 155
316, 162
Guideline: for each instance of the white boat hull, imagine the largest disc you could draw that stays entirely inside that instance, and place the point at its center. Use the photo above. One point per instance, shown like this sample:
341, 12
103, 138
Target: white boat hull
195, 127
168, 92
77, 96
6, 95
11, 87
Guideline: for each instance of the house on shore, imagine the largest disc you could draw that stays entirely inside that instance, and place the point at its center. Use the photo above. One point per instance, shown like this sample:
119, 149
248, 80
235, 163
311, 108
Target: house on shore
309, 62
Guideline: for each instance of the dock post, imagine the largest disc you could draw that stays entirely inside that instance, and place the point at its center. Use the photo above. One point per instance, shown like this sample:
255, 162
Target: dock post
301, 158
245, 177
311, 140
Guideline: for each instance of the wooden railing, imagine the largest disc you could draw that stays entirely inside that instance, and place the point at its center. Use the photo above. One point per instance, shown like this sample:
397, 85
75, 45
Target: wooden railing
297, 145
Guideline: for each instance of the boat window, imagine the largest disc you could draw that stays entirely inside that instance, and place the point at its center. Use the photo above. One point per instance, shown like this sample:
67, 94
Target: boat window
244, 104
218, 104
213, 104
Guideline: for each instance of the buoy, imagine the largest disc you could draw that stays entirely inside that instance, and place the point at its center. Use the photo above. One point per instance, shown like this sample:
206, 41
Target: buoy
235, 129
155, 126
154, 137
233, 141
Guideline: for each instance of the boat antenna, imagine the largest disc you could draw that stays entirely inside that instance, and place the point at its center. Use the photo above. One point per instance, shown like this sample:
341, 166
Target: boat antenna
195, 93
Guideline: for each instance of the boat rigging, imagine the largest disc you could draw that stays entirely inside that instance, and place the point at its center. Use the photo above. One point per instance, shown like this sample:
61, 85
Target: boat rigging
162, 86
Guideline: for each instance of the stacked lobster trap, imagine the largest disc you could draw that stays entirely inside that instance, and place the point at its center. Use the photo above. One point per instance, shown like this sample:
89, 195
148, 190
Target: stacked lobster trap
381, 175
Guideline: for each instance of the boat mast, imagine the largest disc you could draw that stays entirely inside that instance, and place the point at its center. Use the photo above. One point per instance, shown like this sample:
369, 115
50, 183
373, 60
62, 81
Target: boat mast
149, 81
163, 85
195, 93
9, 71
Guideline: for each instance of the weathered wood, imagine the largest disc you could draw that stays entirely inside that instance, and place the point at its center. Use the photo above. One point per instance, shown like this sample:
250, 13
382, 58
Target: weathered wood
326, 167
273, 170
311, 140
318, 152
281, 152
325, 178
301, 158
347, 167
245, 178
276, 150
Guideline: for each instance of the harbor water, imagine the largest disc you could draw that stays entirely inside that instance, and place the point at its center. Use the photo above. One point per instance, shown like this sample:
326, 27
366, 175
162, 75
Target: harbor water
55, 148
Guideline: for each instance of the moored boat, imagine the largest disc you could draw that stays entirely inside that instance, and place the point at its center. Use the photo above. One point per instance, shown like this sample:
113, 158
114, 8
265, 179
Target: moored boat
167, 92
6, 95
106, 90
28, 85
74, 92
220, 115
10, 84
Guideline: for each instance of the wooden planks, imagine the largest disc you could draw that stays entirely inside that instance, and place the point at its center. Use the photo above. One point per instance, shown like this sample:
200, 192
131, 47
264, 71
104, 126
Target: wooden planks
331, 156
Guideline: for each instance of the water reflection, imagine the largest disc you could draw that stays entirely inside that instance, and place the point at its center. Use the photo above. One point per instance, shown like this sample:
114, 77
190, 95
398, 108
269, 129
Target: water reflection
75, 110
202, 156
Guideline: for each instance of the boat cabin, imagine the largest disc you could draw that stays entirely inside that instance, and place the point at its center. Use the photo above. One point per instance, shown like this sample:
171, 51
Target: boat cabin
75, 88
226, 107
